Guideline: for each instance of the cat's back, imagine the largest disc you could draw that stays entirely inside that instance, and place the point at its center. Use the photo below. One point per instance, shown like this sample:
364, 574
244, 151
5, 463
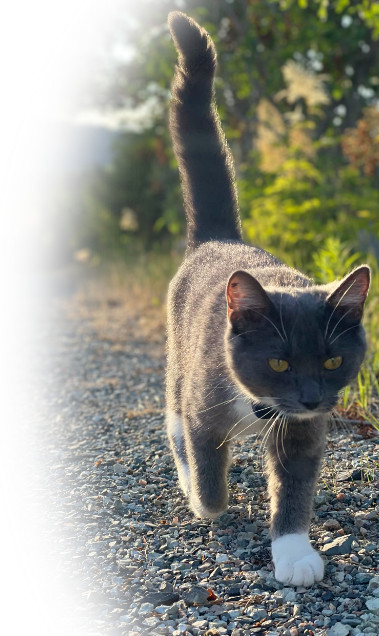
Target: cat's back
206, 270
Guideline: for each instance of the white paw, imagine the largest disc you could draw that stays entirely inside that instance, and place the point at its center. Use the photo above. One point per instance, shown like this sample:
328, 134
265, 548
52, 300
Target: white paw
296, 562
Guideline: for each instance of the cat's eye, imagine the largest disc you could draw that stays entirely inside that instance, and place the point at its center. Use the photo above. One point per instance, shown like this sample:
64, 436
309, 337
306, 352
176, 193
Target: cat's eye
333, 363
278, 365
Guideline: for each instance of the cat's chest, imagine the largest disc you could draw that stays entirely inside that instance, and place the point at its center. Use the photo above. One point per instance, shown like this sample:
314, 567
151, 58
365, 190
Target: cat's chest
246, 422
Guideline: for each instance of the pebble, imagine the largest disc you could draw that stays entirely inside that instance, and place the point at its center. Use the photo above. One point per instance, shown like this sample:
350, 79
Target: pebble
338, 629
146, 608
332, 524
373, 584
340, 545
372, 604
196, 595
256, 614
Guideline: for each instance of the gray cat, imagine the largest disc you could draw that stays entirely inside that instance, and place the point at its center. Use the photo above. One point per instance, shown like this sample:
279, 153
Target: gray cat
253, 345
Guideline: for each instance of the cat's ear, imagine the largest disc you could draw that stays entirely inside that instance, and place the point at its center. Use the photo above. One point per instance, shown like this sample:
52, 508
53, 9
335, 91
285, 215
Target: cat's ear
351, 292
245, 294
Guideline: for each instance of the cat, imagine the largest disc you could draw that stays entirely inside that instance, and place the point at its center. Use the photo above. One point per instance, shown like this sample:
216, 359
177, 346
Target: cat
253, 345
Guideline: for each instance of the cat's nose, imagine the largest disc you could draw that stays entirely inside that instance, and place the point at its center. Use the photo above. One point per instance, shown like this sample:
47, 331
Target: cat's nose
311, 406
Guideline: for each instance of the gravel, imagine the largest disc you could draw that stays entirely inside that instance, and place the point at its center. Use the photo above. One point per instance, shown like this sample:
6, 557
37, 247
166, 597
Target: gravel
117, 529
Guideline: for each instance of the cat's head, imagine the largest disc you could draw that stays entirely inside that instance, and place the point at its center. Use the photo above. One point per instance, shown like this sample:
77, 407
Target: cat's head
295, 348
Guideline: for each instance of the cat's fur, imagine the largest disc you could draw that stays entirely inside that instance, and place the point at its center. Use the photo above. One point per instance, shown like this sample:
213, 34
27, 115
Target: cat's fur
232, 307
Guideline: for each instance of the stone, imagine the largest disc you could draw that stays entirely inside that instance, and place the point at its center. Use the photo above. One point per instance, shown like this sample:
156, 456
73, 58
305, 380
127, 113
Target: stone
332, 524
320, 499
373, 583
372, 604
357, 474
146, 608
197, 595
234, 613
200, 624
338, 629
370, 547
288, 594
161, 598
173, 610
257, 614
340, 545
363, 577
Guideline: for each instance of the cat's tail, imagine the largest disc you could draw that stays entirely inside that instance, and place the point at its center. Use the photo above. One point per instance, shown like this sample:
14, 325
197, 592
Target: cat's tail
205, 162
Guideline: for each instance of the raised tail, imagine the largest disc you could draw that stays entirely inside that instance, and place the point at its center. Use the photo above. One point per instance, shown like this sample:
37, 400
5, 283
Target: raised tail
205, 162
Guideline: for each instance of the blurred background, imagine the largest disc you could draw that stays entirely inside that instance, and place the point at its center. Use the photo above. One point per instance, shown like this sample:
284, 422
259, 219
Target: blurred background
297, 90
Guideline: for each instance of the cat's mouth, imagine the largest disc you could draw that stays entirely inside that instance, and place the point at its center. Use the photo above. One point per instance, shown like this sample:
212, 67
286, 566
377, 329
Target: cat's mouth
306, 415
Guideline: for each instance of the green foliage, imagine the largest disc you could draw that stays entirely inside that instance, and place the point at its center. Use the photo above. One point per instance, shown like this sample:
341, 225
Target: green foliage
328, 260
367, 11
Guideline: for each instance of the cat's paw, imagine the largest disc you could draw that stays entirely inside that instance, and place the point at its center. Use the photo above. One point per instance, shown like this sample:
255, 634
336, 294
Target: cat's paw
304, 571
295, 561
201, 510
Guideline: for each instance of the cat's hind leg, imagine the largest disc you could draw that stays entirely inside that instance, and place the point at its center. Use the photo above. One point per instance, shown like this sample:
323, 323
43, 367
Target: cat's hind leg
176, 437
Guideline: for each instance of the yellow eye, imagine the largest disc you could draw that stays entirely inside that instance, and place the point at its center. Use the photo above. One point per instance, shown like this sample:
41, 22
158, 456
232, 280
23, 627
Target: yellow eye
333, 363
278, 365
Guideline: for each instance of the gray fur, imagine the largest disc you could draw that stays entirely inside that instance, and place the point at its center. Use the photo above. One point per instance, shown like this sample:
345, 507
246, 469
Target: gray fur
231, 307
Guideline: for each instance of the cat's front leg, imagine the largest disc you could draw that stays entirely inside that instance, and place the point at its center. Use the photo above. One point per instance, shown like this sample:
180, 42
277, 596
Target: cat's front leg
209, 461
293, 465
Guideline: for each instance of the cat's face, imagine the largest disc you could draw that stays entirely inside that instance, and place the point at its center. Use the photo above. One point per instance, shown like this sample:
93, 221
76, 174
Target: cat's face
295, 350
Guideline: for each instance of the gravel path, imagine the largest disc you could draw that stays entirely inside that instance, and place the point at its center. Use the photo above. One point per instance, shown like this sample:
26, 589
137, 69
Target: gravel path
121, 547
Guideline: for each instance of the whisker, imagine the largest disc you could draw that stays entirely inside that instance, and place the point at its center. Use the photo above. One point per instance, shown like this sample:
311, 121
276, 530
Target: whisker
341, 334
220, 403
331, 315
281, 316
262, 448
227, 439
284, 424
336, 325
277, 446
271, 323
243, 333
337, 418
232, 428
262, 445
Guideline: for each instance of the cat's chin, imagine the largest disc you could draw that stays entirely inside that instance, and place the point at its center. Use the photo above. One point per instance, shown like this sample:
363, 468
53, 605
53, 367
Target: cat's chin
305, 415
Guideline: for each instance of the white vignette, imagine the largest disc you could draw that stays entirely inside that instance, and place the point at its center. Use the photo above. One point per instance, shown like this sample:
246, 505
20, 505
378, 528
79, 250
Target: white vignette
43, 44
